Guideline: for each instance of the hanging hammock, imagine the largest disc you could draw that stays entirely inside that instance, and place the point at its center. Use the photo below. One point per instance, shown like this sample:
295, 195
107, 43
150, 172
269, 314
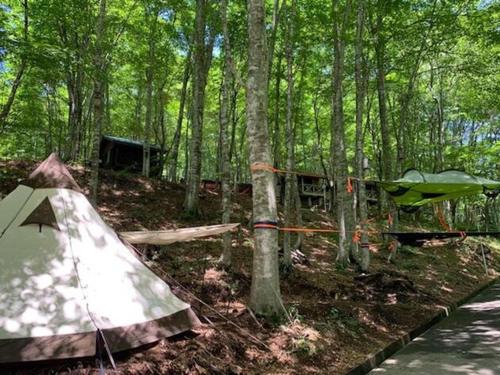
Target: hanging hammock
165, 237
416, 188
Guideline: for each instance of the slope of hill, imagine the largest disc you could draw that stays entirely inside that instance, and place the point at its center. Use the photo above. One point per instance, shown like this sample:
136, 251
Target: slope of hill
335, 317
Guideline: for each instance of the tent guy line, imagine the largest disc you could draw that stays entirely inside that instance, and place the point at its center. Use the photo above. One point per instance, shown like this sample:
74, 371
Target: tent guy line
192, 295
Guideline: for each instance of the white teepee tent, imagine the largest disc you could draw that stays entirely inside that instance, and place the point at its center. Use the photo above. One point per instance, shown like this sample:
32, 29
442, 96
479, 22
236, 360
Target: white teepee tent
67, 281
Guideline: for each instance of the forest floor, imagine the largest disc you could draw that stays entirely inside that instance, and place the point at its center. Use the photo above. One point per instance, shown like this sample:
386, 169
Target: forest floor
335, 318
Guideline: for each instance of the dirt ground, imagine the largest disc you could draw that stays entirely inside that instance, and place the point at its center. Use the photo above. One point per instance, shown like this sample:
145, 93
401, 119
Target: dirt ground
335, 317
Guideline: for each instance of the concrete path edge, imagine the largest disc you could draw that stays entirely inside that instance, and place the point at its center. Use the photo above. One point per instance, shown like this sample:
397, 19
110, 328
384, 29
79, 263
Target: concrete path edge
373, 360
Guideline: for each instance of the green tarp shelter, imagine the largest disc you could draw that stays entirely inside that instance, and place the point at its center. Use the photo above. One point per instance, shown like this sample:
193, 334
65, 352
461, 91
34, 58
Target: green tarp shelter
416, 188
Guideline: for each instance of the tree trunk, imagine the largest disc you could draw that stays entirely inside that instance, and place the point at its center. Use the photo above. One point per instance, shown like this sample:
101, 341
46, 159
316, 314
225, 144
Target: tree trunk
75, 111
265, 296
146, 162
276, 132
186, 151
4, 113
138, 108
405, 126
200, 69
274, 33
339, 152
382, 102
172, 172
440, 136
298, 214
290, 140
147, 124
364, 258
10, 100
318, 138
52, 117
98, 99
161, 136
227, 85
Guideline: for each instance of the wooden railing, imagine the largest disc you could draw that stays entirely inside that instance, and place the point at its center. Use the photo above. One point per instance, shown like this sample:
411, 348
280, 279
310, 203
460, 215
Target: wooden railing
312, 189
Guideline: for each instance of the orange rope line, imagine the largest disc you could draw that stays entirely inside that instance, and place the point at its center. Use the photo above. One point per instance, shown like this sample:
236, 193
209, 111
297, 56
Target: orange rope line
318, 230
269, 168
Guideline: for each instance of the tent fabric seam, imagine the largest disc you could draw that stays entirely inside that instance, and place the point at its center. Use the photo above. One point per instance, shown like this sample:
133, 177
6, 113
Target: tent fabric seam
82, 289
18, 212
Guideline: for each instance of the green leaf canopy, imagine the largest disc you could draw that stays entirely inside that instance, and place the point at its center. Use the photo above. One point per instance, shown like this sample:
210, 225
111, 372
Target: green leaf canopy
416, 188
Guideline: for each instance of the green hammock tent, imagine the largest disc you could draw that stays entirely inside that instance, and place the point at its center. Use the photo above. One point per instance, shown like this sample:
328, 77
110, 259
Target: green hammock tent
416, 188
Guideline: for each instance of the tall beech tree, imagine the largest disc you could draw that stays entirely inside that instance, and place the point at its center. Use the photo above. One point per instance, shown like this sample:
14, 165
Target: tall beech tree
291, 178
201, 63
100, 65
174, 154
361, 86
343, 201
151, 18
227, 86
265, 297
380, 53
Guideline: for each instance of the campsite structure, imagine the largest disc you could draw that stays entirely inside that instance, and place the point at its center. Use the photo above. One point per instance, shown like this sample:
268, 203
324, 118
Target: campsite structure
122, 154
69, 287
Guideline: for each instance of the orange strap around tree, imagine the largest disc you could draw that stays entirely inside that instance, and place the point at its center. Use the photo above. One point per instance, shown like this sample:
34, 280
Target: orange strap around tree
265, 226
442, 220
349, 185
263, 167
356, 237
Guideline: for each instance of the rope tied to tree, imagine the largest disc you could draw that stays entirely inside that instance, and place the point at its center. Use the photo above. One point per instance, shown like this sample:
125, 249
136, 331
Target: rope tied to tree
442, 220
269, 168
266, 224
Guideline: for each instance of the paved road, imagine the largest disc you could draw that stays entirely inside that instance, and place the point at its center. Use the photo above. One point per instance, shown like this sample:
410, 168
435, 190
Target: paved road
465, 343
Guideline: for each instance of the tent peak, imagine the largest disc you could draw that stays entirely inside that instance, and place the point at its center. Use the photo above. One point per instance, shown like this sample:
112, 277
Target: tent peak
52, 173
